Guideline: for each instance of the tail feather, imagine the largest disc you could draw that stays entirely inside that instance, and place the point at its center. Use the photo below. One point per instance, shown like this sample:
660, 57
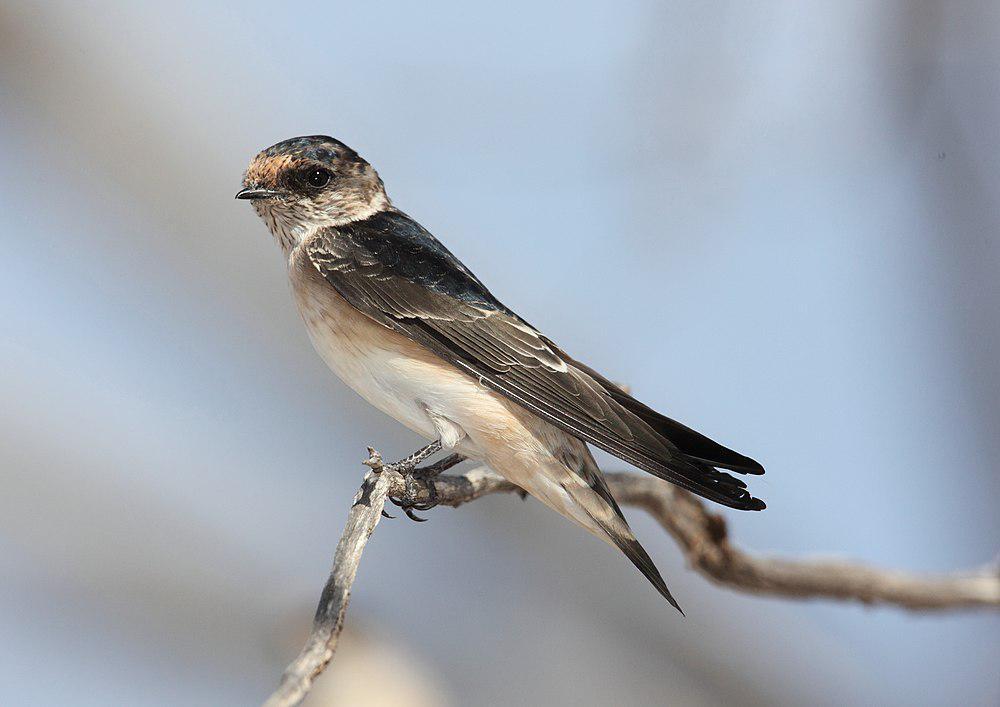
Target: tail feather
640, 558
596, 500
566, 478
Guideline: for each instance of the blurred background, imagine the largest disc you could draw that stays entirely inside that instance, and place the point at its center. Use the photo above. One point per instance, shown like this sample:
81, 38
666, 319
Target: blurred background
780, 220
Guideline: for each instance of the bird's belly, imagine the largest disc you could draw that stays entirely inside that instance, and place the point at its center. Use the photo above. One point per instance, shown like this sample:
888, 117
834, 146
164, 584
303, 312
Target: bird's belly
393, 373
371, 368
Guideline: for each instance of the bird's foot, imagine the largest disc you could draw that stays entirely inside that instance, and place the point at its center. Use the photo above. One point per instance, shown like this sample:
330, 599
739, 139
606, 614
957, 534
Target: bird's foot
411, 501
437, 468
414, 477
425, 475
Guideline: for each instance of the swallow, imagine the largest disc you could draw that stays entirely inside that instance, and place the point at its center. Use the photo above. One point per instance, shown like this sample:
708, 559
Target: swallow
414, 332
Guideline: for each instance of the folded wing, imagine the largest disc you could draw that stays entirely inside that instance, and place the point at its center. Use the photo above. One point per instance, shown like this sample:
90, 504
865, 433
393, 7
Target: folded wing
394, 271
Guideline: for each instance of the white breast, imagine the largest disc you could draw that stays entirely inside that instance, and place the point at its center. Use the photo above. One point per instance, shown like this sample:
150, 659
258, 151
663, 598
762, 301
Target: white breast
393, 373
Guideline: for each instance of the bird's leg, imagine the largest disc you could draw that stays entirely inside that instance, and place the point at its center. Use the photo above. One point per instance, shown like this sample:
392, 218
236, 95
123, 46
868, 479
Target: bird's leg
406, 465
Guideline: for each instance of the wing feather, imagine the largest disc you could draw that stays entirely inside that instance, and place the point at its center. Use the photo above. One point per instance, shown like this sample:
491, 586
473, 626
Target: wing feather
395, 272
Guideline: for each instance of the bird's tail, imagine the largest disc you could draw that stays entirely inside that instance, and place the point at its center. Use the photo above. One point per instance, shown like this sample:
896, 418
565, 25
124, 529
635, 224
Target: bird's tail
613, 528
641, 559
571, 483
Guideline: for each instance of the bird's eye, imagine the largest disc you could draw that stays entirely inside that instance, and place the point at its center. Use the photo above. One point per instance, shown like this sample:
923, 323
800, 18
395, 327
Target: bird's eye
318, 178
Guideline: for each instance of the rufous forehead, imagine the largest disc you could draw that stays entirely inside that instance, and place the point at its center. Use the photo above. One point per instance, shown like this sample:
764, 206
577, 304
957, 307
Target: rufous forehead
264, 170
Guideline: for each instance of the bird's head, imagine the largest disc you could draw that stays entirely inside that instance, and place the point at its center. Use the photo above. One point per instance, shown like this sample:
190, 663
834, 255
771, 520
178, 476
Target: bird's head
306, 183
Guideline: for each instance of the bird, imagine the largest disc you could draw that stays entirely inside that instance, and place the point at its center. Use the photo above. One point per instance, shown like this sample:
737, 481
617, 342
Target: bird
414, 332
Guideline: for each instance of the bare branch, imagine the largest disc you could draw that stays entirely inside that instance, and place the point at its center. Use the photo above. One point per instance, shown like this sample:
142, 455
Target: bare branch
703, 537
701, 534
329, 620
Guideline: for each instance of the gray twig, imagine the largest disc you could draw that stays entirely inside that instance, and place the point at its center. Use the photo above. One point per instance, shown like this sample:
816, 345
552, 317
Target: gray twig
316, 654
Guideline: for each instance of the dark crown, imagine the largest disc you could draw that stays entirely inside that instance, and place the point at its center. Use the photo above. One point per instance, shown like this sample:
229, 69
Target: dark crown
320, 148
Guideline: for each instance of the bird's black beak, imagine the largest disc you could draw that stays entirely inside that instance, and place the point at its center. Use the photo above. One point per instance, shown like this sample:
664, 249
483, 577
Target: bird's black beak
255, 193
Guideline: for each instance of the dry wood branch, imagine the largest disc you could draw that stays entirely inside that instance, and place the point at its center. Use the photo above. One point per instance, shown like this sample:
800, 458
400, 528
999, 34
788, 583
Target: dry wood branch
329, 620
704, 538
701, 534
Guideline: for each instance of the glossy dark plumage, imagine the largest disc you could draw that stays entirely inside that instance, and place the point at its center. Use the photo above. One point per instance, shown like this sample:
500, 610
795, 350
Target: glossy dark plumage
392, 269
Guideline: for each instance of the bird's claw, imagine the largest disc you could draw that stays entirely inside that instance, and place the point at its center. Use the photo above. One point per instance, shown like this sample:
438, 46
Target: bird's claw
411, 473
408, 501
413, 516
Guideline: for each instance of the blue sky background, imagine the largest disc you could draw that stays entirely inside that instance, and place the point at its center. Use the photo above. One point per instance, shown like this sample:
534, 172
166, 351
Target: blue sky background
776, 221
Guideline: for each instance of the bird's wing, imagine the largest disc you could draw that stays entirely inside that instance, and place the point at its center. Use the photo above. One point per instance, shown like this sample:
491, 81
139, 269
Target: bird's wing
397, 273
